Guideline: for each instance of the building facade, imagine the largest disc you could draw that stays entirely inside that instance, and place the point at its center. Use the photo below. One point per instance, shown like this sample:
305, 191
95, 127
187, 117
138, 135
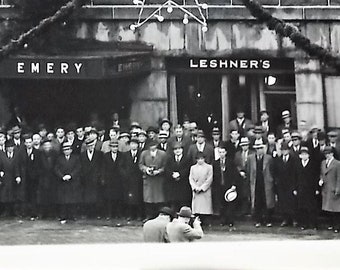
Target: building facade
174, 69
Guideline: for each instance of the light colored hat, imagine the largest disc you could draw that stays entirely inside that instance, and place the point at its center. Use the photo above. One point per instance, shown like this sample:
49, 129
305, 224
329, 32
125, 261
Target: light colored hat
163, 134
244, 141
285, 114
230, 195
258, 144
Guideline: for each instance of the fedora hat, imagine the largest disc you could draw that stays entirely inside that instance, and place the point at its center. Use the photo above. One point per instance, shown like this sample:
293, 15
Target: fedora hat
285, 114
328, 150
216, 130
244, 141
185, 211
230, 195
304, 149
162, 134
258, 144
167, 211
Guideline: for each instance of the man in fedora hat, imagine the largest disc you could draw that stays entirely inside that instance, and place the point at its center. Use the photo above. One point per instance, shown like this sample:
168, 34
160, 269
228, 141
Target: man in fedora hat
330, 182
123, 140
67, 170
154, 230
17, 139
224, 178
142, 137
91, 169
202, 147
258, 136
285, 172
260, 177
165, 125
333, 142
307, 190
216, 141
180, 137
296, 147
163, 142
287, 123
179, 229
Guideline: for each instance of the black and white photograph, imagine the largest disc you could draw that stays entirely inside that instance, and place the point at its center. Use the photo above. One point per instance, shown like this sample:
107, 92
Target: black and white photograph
169, 134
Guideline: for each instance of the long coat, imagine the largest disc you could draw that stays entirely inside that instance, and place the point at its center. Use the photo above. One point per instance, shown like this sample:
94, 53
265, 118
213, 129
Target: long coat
331, 186
307, 183
223, 180
47, 179
201, 176
154, 230
30, 172
68, 191
285, 174
268, 179
177, 190
132, 179
153, 186
91, 176
111, 174
208, 152
8, 187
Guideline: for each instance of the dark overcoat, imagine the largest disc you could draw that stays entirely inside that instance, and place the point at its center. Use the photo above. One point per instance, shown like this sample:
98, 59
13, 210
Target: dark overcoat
178, 190
208, 152
91, 176
8, 187
68, 191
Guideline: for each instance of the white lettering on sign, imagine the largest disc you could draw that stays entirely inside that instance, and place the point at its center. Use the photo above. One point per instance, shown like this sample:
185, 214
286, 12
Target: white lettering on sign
229, 63
78, 66
49, 68
35, 67
20, 67
63, 68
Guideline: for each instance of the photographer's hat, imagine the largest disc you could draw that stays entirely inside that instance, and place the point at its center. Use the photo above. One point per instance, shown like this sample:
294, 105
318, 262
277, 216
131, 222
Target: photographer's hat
185, 211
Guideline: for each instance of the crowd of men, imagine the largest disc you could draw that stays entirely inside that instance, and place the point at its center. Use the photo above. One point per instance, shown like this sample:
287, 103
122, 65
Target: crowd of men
95, 172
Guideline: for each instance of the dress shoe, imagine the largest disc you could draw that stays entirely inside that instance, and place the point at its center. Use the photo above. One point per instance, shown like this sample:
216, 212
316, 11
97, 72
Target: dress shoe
336, 231
231, 225
284, 224
330, 228
269, 225
63, 221
258, 225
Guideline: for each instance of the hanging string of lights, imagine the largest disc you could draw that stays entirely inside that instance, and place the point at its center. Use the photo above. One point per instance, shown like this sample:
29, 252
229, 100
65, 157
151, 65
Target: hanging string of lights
170, 6
292, 32
22, 41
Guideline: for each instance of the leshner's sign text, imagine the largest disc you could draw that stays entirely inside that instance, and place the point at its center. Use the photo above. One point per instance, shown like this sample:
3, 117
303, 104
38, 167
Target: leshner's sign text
204, 63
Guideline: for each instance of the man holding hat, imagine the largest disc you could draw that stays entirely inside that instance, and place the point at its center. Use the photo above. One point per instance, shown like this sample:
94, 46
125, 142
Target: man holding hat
307, 190
178, 191
201, 147
259, 174
330, 182
333, 142
179, 229
112, 181
91, 165
224, 179
152, 164
285, 173
132, 182
154, 230
67, 170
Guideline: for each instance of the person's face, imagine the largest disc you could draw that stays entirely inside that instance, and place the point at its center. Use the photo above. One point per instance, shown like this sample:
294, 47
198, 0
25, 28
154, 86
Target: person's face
179, 132
93, 135
258, 135
166, 126
296, 141
315, 134
2, 140
260, 151
134, 146
264, 117
178, 151
163, 140
234, 135
47, 146
60, 133
286, 120
245, 147
216, 137
28, 143
153, 148
50, 136
287, 137
36, 139
17, 135
322, 142
10, 149
285, 152
222, 152
271, 139
101, 132
80, 132
67, 152
186, 124
240, 114
329, 155
141, 138
114, 148
200, 139
333, 139
43, 132
304, 156
124, 139
151, 135
200, 161
90, 147
112, 134
70, 135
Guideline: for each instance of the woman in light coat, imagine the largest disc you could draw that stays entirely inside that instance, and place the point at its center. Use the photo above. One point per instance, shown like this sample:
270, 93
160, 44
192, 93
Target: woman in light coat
200, 178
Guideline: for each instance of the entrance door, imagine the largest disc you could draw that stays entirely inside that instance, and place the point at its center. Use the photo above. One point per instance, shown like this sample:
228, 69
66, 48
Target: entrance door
199, 99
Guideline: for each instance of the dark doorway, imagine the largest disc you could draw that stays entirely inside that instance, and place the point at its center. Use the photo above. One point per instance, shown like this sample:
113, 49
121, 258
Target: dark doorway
199, 99
62, 101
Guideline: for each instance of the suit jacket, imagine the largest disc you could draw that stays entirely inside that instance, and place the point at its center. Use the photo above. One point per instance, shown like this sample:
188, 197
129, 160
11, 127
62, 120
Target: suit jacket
154, 230
208, 152
185, 141
282, 127
231, 149
181, 232
153, 189
331, 186
268, 179
233, 125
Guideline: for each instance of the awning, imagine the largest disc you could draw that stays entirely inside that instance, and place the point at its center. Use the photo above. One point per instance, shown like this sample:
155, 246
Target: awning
93, 62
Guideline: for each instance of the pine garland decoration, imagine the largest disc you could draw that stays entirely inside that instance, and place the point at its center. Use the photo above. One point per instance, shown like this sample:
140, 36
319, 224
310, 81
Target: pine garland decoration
63, 13
292, 32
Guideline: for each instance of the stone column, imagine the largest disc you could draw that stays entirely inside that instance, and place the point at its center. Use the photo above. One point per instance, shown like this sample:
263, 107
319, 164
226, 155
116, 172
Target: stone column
225, 106
173, 99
